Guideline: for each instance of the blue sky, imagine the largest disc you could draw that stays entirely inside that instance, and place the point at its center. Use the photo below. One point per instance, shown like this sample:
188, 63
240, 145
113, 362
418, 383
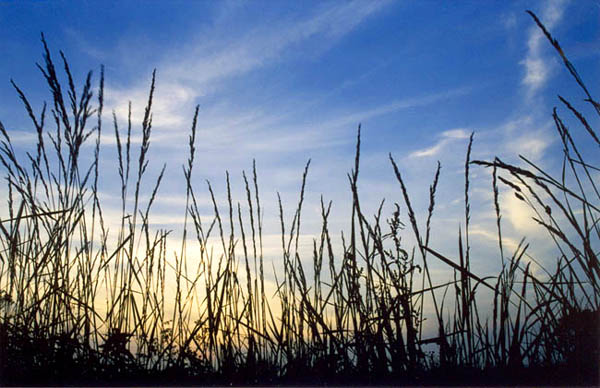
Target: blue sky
285, 81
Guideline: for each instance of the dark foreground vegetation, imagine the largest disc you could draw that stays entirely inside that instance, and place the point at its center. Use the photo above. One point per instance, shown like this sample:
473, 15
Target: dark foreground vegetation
78, 307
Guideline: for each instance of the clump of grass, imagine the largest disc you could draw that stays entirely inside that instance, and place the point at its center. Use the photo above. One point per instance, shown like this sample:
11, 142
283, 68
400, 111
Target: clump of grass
79, 306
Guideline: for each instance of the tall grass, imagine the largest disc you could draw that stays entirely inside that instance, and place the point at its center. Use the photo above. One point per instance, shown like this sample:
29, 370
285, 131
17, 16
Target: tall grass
81, 303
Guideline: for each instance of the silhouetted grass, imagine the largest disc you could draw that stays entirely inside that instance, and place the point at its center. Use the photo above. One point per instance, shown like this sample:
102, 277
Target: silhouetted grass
79, 307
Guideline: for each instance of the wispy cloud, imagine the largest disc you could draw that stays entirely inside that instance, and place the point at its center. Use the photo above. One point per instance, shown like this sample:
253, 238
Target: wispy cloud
524, 135
201, 70
334, 131
519, 214
22, 137
446, 138
537, 67
263, 46
271, 132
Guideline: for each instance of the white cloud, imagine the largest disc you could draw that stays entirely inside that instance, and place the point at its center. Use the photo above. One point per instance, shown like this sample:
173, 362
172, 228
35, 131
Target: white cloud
167, 104
405, 104
536, 73
537, 67
525, 136
264, 45
530, 146
456, 134
519, 214
223, 125
446, 137
334, 131
21, 137
431, 151
492, 236
199, 70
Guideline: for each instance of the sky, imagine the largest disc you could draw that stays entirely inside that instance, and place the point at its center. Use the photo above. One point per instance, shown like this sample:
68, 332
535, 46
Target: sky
282, 82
